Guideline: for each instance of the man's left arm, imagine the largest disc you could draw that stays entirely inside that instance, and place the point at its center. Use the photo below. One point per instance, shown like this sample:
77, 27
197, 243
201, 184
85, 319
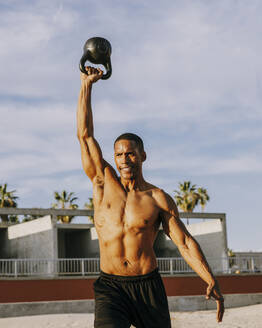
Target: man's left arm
189, 248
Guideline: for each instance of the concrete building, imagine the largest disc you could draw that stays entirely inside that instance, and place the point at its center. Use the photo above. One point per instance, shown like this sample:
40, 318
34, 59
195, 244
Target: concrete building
44, 238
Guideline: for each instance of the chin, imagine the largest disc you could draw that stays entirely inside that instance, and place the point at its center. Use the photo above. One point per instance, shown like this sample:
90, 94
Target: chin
127, 176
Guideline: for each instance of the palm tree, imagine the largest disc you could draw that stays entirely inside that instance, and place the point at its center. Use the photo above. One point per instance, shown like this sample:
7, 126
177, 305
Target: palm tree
65, 200
30, 217
203, 197
189, 196
90, 206
7, 199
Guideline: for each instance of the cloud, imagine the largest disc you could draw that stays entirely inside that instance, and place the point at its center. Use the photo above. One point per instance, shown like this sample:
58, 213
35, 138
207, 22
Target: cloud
33, 46
186, 77
177, 160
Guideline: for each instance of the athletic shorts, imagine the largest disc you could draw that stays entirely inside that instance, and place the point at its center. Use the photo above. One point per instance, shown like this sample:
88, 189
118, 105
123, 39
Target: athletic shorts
124, 300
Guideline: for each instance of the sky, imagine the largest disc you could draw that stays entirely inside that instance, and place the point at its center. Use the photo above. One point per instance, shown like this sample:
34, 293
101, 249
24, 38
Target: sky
187, 78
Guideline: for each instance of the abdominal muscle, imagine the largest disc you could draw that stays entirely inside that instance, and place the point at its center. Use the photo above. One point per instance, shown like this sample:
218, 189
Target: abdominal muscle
127, 254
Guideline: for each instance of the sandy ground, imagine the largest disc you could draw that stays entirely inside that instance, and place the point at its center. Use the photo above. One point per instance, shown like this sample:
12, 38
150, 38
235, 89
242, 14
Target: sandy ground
244, 317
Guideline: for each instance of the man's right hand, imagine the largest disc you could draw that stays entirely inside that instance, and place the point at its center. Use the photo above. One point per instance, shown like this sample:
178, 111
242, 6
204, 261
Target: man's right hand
94, 74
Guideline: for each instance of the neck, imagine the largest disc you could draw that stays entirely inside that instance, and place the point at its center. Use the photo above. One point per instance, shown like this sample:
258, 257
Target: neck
133, 184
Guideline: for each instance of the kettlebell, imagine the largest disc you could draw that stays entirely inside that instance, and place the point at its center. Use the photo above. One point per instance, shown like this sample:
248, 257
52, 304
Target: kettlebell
98, 51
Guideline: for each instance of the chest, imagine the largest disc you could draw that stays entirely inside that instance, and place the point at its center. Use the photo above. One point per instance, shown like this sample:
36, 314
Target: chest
135, 210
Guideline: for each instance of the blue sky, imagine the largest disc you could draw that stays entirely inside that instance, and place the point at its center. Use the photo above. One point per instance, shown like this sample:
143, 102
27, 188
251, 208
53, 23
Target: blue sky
186, 78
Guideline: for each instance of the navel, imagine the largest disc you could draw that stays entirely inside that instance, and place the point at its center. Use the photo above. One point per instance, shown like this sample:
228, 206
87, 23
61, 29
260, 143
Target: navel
126, 263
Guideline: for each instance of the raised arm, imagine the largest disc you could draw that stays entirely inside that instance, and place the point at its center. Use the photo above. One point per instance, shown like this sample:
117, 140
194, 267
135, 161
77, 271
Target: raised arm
189, 249
92, 160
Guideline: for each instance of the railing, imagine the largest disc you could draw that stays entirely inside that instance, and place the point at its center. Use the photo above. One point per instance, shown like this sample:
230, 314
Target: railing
49, 267
91, 266
226, 265
178, 265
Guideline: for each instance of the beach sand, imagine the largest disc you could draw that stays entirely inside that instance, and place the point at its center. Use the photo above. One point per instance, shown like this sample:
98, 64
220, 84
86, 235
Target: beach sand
244, 317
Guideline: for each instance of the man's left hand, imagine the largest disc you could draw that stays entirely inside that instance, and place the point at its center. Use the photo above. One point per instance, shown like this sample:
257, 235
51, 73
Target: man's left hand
213, 291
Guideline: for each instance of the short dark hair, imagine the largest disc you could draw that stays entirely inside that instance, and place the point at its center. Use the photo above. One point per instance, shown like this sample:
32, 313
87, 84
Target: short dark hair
134, 137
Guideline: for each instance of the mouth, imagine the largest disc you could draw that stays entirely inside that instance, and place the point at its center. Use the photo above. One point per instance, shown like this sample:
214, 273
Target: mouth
126, 169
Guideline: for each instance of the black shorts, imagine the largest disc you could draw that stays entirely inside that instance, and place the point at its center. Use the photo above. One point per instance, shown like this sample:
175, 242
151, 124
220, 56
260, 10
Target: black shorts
138, 300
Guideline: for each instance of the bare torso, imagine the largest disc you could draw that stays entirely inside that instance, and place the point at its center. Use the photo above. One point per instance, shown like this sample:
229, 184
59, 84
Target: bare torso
127, 223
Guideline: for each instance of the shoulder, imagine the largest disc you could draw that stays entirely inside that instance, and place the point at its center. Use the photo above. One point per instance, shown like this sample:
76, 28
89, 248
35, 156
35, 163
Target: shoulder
160, 195
164, 201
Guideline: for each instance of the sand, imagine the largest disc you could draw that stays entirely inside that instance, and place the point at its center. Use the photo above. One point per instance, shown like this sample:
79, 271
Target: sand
244, 317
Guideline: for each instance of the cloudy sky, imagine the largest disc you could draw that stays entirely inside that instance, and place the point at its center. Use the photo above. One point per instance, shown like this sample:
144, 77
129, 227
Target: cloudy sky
187, 77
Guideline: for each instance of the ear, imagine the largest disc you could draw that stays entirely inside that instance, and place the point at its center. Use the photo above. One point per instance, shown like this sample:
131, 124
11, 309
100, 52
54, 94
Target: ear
143, 156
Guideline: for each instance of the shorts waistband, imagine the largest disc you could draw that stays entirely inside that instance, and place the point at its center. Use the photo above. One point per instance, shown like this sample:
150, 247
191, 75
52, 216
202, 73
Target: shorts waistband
113, 277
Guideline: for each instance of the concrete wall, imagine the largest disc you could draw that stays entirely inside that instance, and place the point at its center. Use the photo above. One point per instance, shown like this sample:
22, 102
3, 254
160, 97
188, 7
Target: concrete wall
33, 239
210, 236
175, 303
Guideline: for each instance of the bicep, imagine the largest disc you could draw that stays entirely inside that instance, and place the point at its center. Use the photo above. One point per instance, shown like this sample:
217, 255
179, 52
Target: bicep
175, 228
172, 224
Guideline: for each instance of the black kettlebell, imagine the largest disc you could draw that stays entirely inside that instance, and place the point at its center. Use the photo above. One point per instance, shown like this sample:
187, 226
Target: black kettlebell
98, 51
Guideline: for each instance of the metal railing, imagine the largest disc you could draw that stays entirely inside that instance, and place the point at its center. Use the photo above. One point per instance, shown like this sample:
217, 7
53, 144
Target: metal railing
91, 266
49, 267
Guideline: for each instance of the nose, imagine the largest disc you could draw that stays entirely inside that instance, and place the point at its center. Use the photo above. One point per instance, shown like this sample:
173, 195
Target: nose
125, 159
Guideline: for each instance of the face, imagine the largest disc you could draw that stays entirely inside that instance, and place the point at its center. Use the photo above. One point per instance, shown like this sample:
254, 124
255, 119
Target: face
128, 159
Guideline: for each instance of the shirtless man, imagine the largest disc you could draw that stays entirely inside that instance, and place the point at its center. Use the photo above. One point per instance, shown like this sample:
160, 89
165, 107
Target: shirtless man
127, 214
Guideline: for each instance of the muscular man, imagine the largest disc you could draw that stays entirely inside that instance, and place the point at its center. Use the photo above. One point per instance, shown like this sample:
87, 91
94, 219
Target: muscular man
127, 213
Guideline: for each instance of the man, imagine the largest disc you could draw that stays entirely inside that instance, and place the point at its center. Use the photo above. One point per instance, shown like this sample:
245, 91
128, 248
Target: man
127, 213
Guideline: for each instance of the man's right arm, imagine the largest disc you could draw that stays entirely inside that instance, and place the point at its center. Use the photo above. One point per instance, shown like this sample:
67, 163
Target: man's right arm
92, 160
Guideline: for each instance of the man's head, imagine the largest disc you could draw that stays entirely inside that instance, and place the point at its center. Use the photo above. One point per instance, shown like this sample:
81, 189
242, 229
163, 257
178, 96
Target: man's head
134, 137
129, 155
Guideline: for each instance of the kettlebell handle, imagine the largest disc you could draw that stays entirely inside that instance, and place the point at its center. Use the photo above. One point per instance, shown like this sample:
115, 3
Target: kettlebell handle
107, 66
97, 50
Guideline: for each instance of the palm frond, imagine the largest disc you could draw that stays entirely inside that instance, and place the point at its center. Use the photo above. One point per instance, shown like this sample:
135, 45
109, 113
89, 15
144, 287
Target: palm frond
189, 196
